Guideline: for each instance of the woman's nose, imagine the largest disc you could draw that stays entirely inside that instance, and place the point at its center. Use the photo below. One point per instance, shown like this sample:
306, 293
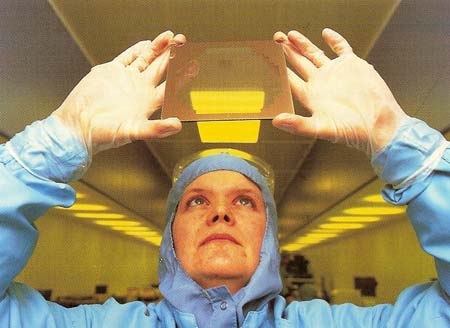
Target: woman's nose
216, 218
221, 214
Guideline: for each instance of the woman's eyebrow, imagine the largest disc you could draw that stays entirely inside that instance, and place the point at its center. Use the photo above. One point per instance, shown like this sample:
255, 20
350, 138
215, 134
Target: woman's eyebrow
249, 192
194, 191
232, 190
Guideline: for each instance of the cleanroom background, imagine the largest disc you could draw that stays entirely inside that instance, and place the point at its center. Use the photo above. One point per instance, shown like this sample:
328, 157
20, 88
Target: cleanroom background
47, 47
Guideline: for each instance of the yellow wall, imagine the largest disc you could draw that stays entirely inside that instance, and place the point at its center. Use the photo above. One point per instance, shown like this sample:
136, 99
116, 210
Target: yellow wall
390, 253
72, 257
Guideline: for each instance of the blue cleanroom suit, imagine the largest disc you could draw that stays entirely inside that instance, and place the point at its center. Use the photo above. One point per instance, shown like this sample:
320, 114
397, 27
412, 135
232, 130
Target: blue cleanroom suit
35, 164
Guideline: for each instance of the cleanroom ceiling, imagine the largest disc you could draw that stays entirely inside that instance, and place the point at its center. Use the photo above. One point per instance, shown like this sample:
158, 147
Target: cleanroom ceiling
47, 47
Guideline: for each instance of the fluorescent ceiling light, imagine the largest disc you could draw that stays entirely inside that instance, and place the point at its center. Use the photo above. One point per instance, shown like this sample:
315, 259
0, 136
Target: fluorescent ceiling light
229, 131
292, 247
96, 215
354, 219
327, 230
142, 233
341, 225
117, 223
376, 198
154, 240
321, 235
375, 210
227, 102
86, 207
125, 228
308, 240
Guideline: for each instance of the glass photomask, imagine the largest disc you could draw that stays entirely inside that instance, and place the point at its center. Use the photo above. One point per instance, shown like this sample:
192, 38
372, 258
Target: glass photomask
214, 81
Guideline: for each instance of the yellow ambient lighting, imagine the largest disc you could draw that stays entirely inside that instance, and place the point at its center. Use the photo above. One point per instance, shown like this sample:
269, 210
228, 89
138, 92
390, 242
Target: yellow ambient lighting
117, 223
86, 207
376, 210
376, 198
354, 219
154, 240
227, 102
122, 228
142, 233
99, 215
229, 131
337, 231
292, 247
341, 225
308, 240
321, 235
305, 239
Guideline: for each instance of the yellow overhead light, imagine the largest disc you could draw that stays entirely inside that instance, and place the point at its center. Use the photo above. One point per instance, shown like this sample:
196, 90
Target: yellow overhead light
81, 195
375, 198
292, 247
321, 235
354, 219
86, 207
125, 228
227, 101
142, 233
375, 210
96, 215
327, 230
307, 240
341, 225
154, 240
229, 131
117, 223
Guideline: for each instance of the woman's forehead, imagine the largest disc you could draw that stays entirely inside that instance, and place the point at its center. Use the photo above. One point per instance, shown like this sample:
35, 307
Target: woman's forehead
222, 179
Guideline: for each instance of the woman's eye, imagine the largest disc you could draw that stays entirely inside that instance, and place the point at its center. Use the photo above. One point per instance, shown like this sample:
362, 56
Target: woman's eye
245, 201
196, 201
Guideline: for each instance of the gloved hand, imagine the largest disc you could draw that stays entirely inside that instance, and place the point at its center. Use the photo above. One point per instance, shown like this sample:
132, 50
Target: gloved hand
111, 105
348, 101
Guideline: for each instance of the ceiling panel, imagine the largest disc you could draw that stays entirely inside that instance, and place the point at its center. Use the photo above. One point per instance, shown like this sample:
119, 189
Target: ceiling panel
103, 28
40, 63
413, 56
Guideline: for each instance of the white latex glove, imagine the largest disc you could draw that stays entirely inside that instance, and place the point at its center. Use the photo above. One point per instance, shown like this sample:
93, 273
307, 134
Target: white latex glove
111, 105
348, 101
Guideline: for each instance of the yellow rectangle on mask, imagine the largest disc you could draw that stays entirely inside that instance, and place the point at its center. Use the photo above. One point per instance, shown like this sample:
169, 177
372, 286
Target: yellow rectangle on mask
229, 131
227, 102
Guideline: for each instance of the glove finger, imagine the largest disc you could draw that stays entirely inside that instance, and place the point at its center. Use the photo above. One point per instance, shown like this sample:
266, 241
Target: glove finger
308, 49
302, 65
298, 87
296, 124
336, 42
152, 129
148, 51
140, 63
155, 71
157, 100
129, 55
161, 43
144, 52
160, 91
